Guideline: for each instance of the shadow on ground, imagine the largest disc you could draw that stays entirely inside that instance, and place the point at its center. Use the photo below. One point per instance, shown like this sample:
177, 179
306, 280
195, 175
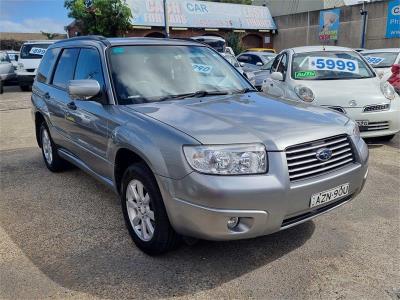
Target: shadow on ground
71, 228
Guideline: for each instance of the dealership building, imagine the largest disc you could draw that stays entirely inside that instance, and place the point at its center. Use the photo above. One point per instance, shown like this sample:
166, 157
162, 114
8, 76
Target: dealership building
194, 18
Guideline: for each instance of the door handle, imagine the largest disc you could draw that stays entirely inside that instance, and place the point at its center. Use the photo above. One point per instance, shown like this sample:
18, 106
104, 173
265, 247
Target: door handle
46, 96
72, 105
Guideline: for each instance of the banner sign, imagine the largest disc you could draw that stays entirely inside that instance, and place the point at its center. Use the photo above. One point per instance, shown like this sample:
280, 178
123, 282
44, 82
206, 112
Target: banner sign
329, 24
200, 14
393, 19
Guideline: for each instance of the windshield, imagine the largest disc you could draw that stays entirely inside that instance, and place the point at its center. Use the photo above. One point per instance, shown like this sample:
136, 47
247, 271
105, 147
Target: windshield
329, 65
381, 59
155, 73
33, 51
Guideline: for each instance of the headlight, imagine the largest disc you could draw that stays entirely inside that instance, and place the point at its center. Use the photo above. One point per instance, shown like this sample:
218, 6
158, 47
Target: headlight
227, 159
304, 93
388, 90
20, 66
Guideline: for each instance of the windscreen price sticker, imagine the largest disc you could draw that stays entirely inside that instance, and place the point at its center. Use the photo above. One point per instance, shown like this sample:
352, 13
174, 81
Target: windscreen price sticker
374, 60
333, 64
205, 69
37, 51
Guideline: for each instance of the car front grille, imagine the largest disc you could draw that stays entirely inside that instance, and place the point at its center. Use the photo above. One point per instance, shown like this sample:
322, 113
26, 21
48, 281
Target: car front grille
375, 126
30, 70
376, 107
338, 108
303, 162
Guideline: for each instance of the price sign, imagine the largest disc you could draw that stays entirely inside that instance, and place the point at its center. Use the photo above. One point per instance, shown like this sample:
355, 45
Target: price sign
374, 60
205, 69
37, 51
333, 64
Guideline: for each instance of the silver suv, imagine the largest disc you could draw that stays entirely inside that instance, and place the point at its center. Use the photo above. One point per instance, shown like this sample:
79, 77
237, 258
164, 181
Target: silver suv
186, 141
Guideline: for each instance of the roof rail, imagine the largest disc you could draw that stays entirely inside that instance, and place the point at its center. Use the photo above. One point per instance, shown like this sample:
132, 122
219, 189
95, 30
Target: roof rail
98, 38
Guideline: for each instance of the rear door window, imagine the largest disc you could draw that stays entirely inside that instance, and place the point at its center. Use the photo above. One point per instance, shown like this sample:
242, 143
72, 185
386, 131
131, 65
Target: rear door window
65, 67
46, 64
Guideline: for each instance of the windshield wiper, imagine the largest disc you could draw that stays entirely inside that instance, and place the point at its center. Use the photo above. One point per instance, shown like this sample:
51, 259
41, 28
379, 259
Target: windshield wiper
197, 94
244, 91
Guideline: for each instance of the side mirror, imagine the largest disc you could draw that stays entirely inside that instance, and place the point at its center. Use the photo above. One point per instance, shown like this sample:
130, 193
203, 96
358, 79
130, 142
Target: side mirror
83, 89
16, 57
278, 76
241, 64
259, 64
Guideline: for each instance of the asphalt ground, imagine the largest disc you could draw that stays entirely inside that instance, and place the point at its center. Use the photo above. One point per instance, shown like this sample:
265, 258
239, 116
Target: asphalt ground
63, 236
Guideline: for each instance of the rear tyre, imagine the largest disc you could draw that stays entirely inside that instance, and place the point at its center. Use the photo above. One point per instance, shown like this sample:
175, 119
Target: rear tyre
144, 211
49, 151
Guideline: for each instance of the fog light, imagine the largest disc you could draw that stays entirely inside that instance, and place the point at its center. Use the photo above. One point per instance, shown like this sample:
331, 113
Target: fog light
232, 222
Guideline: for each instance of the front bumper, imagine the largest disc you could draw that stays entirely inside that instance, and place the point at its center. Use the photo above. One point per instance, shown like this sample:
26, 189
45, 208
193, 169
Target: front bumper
25, 77
382, 123
8, 76
200, 205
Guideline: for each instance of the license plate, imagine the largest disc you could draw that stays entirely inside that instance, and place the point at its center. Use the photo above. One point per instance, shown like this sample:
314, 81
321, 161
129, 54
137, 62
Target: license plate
329, 195
362, 123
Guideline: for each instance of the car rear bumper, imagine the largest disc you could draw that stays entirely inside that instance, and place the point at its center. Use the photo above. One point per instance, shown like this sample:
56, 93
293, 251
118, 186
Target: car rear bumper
200, 205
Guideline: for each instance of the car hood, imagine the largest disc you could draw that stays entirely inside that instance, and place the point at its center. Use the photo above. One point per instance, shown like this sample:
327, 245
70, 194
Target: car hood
246, 118
341, 92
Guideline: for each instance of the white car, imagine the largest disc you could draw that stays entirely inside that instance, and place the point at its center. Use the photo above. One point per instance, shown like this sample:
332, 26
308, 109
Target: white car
382, 60
30, 56
337, 78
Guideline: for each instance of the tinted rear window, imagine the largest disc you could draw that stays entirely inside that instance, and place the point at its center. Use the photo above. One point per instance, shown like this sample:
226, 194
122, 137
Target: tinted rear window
46, 64
65, 67
33, 51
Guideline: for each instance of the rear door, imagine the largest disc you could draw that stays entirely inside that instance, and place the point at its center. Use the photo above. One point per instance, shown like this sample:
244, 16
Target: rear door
58, 98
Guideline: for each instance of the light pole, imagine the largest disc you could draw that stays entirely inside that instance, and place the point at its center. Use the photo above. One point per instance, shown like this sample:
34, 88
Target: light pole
166, 21
364, 15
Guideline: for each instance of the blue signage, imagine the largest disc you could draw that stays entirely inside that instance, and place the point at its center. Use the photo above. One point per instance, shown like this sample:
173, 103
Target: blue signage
393, 20
200, 14
329, 24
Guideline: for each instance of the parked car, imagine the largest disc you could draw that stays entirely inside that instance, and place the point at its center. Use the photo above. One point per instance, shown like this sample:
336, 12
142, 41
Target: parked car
338, 78
6, 69
261, 75
211, 158
253, 61
30, 55
267, 50
232, 59
13, 55
215, 42
394, 79
382, 60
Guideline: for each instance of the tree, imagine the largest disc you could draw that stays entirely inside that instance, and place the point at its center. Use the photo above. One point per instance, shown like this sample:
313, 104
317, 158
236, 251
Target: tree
103, 17
50, 36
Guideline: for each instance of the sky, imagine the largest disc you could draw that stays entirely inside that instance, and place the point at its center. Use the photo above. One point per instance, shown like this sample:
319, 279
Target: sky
33, 16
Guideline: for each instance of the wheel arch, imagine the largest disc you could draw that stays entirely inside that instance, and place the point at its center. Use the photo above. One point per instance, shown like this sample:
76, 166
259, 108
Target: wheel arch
125, 157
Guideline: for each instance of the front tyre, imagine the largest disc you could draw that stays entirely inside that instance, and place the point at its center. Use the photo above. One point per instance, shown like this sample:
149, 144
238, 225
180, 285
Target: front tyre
144, 211
49, 151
